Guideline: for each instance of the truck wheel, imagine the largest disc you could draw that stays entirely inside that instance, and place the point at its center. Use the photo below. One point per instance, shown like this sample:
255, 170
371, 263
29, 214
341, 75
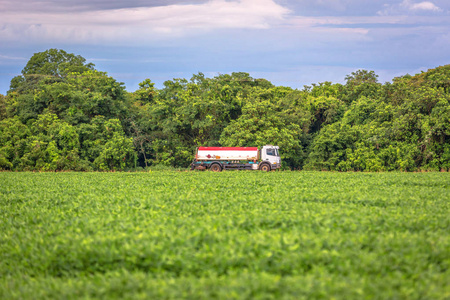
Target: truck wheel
215, 168
265, 167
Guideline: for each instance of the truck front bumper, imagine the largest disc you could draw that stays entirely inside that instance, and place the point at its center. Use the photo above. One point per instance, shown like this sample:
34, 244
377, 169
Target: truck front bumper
275, 166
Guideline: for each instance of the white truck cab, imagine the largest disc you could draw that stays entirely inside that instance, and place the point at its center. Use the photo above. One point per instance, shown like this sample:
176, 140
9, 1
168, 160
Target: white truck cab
271, 155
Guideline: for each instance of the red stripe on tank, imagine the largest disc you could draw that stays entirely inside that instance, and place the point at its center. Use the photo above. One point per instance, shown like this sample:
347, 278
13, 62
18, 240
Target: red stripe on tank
227, 148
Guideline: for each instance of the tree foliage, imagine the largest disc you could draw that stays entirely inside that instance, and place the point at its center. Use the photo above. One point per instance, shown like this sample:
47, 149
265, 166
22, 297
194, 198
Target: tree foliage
62, 114
404, 126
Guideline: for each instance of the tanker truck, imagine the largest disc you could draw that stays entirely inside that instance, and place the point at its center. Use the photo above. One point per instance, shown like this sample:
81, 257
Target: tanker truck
265, 158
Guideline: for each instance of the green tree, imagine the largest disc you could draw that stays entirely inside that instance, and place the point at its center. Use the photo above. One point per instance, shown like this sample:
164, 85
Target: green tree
267, 119
361, 83
117, 152
52, 145
50, 65
146, 92
324, 104
76, 99
13, 143
401, 126
56, 63
361, 76
3, 107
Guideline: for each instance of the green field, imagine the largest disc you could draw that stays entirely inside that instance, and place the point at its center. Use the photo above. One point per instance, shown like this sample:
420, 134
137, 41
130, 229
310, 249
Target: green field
234, 234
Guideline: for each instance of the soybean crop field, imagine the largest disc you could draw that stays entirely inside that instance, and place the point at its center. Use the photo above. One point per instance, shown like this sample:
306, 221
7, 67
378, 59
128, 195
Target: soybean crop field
228, 235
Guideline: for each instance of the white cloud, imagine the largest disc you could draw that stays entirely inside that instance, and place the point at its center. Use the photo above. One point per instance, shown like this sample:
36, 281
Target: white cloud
9, 57
141, 23
424, 6
408, 7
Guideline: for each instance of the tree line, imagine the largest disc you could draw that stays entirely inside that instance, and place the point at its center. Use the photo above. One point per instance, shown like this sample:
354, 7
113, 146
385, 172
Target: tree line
63, 114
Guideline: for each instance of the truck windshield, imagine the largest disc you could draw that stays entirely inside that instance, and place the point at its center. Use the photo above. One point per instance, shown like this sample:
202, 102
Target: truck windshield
271, 151
277, 153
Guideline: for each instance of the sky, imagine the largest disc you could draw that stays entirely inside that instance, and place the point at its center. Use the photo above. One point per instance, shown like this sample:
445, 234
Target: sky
288, 42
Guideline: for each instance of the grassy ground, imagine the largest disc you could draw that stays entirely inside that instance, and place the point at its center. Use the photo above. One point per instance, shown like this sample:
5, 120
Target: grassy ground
234, 234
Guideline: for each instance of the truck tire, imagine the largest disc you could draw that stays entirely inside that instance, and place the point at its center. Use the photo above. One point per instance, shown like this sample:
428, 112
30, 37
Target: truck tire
265, 167
215, 167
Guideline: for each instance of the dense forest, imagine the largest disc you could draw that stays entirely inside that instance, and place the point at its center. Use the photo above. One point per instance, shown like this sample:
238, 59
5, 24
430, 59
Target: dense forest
63, 114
